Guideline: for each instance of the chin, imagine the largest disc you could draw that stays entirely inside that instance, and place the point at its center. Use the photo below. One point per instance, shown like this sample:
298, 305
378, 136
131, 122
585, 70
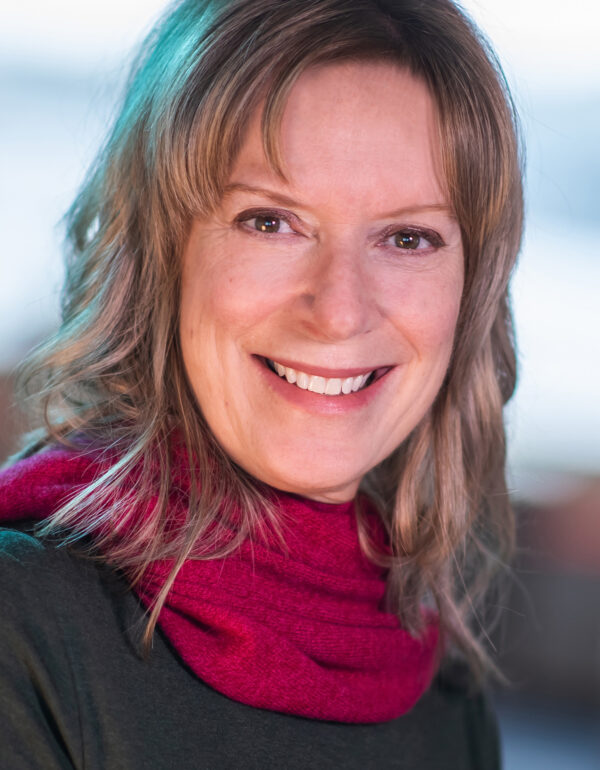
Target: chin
315, 483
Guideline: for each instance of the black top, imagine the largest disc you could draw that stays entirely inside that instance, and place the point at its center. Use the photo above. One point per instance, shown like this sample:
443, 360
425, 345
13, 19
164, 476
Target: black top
75, 692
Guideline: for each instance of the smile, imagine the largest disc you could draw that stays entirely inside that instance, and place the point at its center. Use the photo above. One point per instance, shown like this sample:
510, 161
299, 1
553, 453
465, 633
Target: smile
327, 386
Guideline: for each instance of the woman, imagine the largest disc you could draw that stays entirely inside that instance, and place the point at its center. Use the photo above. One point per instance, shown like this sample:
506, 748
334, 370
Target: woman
272, 414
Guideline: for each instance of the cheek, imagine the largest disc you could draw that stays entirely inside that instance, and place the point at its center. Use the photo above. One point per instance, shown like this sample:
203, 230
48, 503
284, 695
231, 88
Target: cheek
425, 310
238, 288
213, 299
212, 319
438, 322
224, 307
237, 296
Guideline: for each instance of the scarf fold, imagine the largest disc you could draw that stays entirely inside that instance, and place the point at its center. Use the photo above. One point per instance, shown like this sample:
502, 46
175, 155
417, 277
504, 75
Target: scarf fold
301, 632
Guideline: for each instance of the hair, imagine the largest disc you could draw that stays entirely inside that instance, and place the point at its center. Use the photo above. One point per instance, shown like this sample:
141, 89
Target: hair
112, 377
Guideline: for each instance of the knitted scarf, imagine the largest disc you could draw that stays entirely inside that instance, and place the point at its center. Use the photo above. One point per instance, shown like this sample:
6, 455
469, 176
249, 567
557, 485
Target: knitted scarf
301, 633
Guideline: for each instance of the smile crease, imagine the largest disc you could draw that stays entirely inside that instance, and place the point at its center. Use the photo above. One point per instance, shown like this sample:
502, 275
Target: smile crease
328, 386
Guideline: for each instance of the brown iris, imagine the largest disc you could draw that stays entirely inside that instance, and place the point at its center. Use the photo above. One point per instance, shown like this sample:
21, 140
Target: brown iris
266, 224
407, 240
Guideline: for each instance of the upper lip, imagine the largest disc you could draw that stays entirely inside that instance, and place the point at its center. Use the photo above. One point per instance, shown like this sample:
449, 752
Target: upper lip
328, 373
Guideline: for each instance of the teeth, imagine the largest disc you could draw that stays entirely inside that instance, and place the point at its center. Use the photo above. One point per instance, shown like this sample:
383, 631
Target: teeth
302, 380
317, 384
364, 379
333, 386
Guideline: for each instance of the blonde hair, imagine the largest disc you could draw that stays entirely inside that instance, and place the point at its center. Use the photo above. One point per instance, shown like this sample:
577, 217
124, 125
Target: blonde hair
112, 378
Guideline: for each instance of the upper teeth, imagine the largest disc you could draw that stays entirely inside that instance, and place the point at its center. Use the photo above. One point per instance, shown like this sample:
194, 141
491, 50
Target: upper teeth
330, 386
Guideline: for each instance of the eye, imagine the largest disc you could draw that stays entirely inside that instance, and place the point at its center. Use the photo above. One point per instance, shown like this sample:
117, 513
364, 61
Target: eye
408, 241
264, 222
414, 240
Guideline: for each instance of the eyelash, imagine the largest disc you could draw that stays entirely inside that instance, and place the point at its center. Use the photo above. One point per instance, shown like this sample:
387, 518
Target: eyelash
434, 240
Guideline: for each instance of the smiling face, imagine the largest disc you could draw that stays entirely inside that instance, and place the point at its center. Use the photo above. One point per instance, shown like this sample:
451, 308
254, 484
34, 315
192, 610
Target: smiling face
318, 313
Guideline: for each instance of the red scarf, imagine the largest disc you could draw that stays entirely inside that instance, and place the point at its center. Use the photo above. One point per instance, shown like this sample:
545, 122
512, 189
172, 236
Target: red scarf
301, 634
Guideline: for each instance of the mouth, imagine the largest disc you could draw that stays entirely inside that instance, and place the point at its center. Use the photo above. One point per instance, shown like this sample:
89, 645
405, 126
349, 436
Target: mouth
326, 386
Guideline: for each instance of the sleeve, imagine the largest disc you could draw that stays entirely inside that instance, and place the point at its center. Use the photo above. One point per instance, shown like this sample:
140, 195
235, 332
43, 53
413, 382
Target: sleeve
39, 715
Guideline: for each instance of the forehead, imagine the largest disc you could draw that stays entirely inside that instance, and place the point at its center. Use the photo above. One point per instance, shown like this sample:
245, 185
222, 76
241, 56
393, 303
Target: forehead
363, 131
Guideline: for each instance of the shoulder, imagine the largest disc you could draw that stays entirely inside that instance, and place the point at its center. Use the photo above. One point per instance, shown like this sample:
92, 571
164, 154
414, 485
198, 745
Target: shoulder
60, 617
27, 563
38, 586
47, 591
60, 609
38, 701
27, 566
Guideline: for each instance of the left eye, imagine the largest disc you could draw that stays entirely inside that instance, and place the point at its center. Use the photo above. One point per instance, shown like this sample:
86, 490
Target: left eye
409, 240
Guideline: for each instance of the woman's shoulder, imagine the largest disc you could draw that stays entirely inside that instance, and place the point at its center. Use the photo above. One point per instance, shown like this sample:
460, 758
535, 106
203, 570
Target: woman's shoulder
50, 593
39, 711
28, 563
47, 590
63, 643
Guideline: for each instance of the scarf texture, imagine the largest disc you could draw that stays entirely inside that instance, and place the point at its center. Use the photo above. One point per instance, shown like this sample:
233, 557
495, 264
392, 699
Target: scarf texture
301, 632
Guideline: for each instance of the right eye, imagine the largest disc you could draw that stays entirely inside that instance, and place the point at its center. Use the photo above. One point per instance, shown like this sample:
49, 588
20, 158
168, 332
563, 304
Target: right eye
265, 222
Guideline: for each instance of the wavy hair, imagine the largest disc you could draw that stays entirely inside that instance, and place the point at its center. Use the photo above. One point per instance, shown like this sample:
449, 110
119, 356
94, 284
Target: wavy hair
112, 378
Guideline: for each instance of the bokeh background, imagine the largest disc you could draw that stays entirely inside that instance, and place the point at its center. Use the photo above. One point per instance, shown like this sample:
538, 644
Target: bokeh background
62, 65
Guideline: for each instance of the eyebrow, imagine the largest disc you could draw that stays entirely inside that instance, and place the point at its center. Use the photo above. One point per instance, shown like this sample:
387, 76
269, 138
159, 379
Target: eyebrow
276, 197
285, 200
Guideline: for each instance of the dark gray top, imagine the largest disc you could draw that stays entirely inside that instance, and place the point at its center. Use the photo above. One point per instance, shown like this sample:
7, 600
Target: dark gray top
74, 692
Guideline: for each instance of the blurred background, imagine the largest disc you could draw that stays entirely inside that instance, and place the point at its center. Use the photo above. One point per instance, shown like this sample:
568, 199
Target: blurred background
62, 65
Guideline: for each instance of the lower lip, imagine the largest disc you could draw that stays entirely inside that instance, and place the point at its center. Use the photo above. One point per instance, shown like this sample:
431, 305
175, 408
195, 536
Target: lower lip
315, 402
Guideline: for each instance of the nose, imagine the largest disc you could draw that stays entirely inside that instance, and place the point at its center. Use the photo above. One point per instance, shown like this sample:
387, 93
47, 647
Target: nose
338, 301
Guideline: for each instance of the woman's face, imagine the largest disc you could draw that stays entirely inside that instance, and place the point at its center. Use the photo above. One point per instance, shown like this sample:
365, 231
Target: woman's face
347, 276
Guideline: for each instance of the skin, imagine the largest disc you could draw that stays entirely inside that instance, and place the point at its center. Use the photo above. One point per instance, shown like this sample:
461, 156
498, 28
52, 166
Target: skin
332, 289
